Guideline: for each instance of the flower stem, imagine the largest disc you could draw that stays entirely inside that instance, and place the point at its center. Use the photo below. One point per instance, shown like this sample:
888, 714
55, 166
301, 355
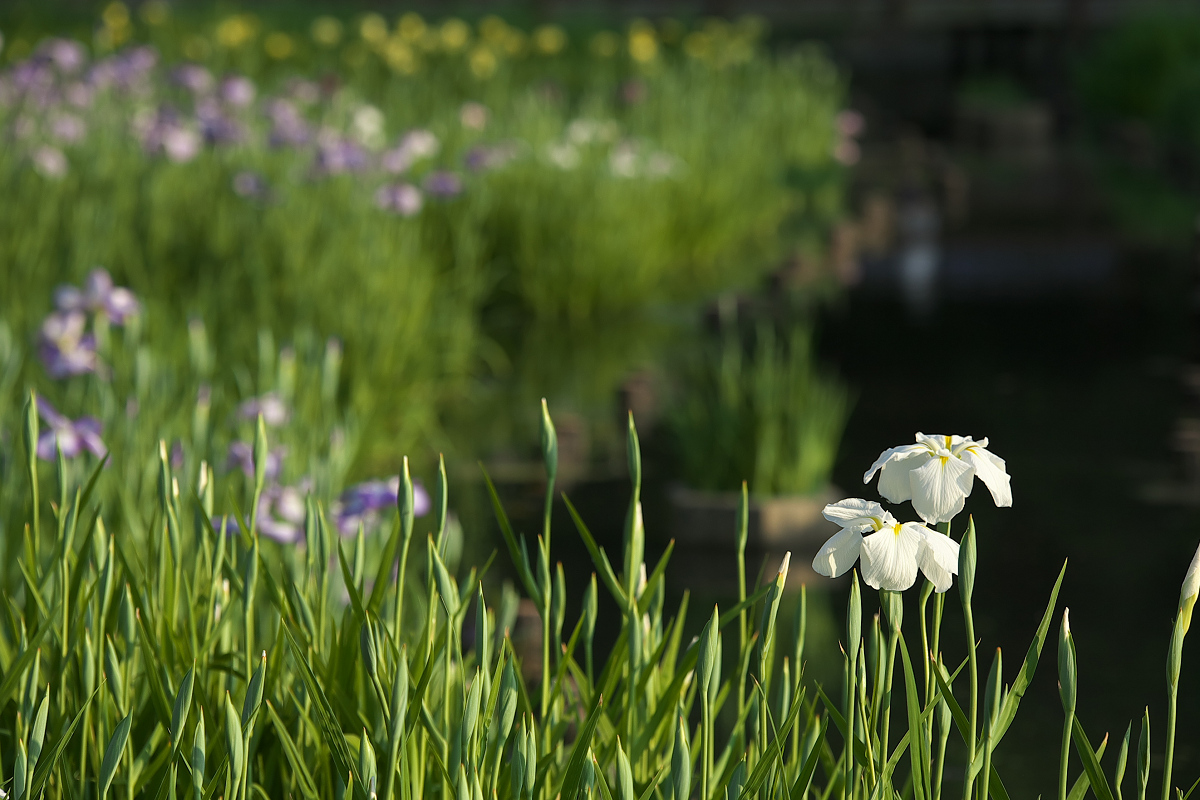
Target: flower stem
1172, 703
1174, 665
973, 674
1066, 751
944, 737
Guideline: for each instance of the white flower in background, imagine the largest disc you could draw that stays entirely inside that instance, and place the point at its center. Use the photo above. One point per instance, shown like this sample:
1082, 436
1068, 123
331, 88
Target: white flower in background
891, 552
180, 144
937, 473
563, 155
368, 125
623, 160
49, 162
473, 115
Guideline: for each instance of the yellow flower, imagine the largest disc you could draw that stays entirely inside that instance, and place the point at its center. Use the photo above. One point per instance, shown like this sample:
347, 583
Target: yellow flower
400, 56
643, 44
116, 15
549, 39
116, 26
235, 31
327, 31
279, 45
411, 27
483, 62
373, 29
605, 44
155, 12
454, 35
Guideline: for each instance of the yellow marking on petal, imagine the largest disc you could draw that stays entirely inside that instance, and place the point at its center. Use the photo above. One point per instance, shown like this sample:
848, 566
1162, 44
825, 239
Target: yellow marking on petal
896, 529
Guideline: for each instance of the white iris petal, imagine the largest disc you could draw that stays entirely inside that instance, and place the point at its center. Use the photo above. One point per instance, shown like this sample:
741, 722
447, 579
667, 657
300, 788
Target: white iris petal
937, 474
894, 481
991, 470
937, 557
889, 558
940, 488
838, 554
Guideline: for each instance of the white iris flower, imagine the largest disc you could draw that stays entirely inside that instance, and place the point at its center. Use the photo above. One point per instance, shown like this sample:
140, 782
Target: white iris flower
937, 474
891, 552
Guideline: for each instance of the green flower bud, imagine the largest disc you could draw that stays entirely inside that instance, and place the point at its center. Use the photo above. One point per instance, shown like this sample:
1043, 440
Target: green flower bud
966, 563
681, 764
1067, 672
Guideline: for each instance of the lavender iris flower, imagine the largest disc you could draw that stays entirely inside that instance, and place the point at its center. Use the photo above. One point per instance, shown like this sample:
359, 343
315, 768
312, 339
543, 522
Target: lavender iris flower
281, 514
443, 183
401, 198
337, 155
68, 128
270, 405
238, 91
72, 437
288, 126
64, 347
165, 132
193, 77
364, 502
99, 296
241, 456
485, 157
216, 127
128, 71
67, 55
250, 184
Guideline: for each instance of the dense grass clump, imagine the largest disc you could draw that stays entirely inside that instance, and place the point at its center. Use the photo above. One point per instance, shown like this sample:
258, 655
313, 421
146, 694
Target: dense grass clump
201, 657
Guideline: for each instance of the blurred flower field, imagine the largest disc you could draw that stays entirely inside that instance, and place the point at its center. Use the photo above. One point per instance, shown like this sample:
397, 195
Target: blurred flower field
415, 189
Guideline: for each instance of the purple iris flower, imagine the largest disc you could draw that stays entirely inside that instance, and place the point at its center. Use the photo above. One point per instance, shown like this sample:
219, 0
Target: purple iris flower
67, 128
288, 126
216, 126
67, 55
241, 456
32, 78
364, 502
64, 347
128, 70
99, 296
337, 155
72, 437
401, 198
281, 514
250, 184
485, 157
238, 91
193, 77
79, 95
274, 411
443, 183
